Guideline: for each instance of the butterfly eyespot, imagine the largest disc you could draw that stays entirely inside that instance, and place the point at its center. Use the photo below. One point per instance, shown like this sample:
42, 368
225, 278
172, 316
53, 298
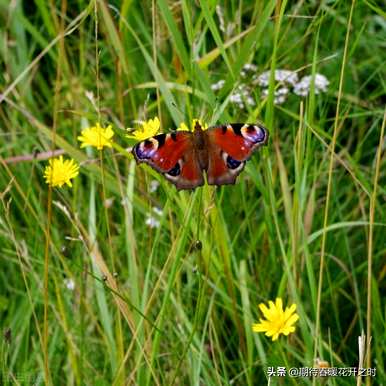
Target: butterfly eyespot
150, 143
254, 133
146, 149
232, 163
175, 171
139, 152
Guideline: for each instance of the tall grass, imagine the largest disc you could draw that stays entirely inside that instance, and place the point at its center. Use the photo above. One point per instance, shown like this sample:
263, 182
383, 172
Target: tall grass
90, 293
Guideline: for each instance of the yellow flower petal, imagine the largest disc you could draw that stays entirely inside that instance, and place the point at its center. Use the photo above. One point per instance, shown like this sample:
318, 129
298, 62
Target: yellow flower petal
277, 321
289, 310
60, 172
293, 319
149, 129
183, 126
286, 331
265, 310
279, 304
259, 327
96, 136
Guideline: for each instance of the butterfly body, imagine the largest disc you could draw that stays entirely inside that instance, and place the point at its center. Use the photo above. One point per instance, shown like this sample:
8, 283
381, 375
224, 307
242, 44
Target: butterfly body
183, 157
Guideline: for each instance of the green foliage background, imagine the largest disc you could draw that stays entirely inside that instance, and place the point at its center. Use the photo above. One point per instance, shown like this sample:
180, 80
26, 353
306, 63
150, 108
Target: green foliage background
149, 306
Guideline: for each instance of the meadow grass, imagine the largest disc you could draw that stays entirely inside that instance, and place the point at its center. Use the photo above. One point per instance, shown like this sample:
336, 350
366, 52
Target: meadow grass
97, 288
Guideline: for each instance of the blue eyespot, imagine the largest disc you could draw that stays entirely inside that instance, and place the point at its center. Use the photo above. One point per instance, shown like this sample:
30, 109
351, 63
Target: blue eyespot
232, 163
175, 171
145, 149
140, 153
256, 133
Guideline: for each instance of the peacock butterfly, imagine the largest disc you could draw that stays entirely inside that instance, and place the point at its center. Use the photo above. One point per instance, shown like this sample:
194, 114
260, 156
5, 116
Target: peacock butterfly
220, 151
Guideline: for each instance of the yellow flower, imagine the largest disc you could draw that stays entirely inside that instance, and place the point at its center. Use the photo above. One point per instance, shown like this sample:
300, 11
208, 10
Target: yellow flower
149, 129
277, 321
59, 171
96, 136
184, 127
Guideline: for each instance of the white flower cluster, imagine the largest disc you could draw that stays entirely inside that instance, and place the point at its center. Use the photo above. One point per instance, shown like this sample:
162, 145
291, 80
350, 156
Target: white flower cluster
153, 218
288, 81
242, 96
303, 87
249, 67
283, 76
280, 95
218, 86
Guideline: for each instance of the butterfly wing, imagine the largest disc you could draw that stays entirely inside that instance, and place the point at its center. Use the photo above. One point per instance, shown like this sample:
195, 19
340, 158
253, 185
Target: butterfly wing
230, 146
172, 155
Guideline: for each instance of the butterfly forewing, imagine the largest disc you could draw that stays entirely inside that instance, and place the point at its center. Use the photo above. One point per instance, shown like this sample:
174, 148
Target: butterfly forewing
172, 155
238, 140
230, 147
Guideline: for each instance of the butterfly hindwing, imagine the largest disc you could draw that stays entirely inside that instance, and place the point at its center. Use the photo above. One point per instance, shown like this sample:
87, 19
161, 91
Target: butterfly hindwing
230, 146
190, 173
172, 155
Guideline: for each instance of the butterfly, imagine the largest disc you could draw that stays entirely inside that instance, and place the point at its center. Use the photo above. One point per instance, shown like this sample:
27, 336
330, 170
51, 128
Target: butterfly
220, 151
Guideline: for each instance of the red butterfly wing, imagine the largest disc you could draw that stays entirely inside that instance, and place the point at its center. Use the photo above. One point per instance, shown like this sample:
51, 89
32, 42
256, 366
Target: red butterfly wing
174, 156
230, 146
